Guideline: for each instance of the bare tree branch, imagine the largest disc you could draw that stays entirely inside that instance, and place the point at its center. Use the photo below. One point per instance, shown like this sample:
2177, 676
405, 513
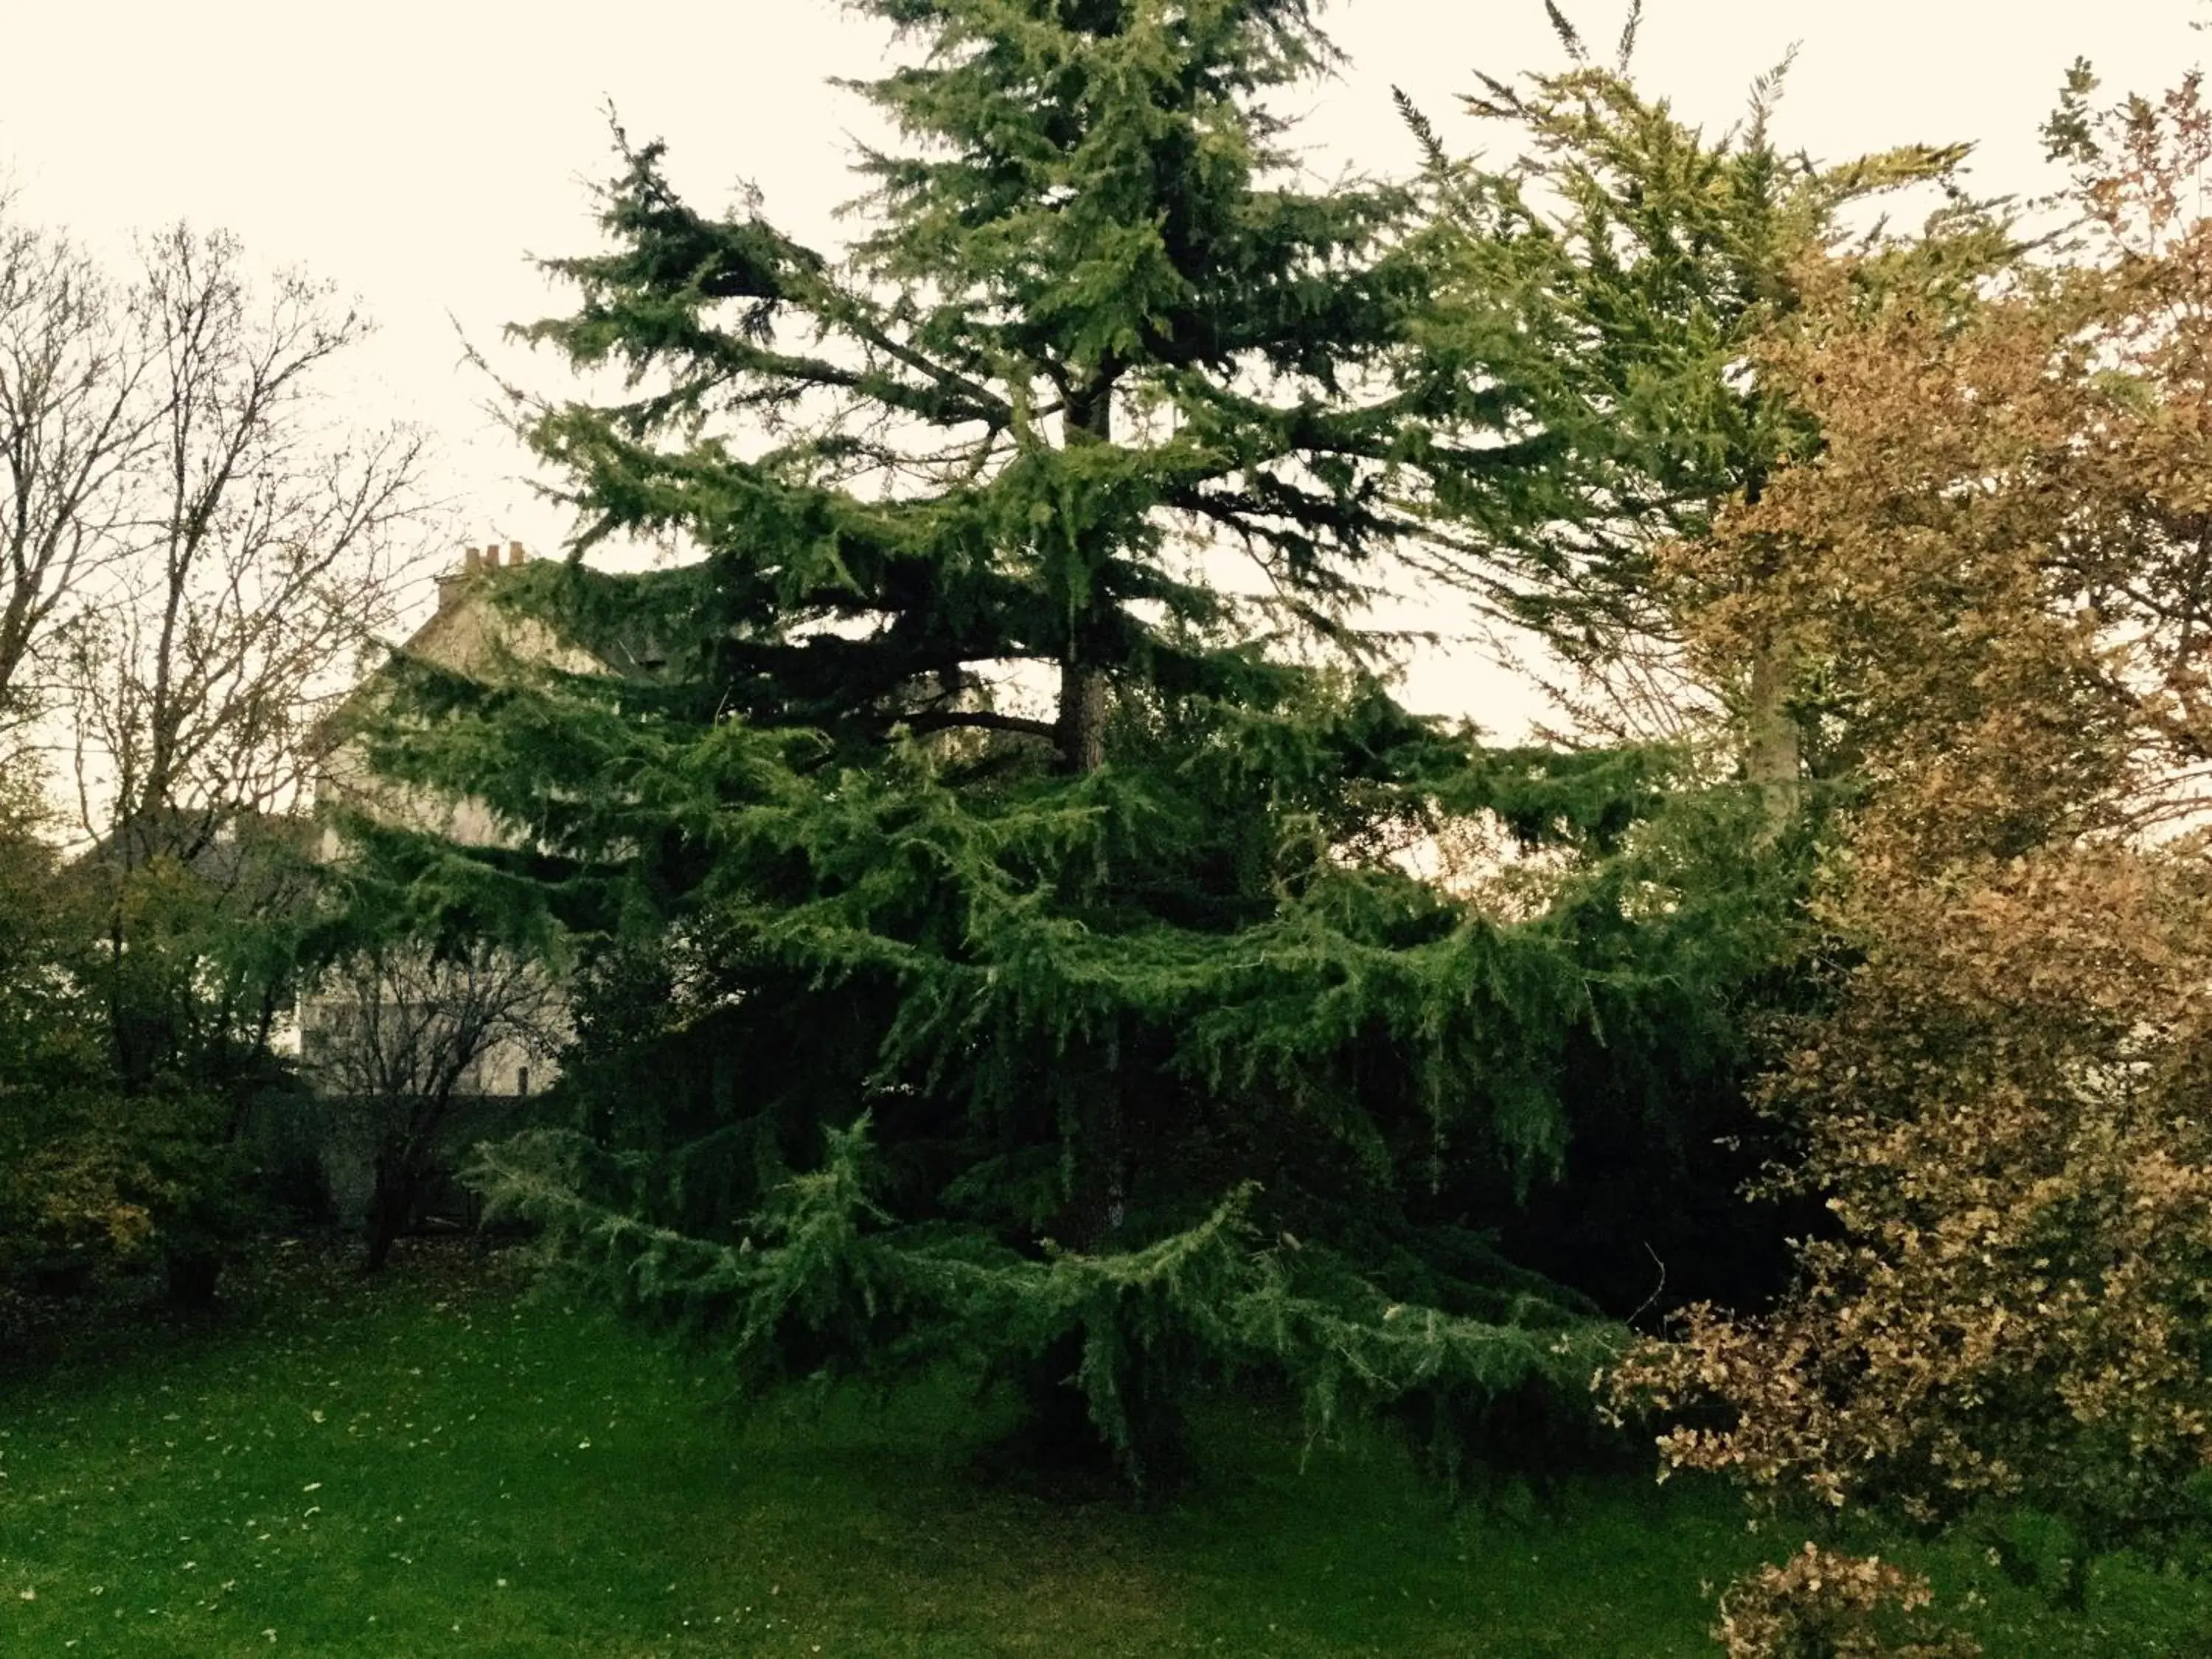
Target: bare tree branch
273, 547
401, 1031
73, 429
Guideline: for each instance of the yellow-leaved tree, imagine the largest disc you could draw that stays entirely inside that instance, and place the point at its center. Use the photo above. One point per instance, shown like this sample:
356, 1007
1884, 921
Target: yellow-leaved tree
1994, 579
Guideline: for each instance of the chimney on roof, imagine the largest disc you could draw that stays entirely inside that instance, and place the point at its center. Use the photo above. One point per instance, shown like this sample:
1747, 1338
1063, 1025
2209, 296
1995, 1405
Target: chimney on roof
451, 583
476, 561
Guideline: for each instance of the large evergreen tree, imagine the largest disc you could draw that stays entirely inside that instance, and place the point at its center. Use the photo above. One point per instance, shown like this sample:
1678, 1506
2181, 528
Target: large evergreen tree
996, 848
1617, 271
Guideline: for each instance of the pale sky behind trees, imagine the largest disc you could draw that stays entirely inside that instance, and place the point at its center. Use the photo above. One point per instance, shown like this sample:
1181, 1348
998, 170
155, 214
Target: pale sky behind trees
415, 153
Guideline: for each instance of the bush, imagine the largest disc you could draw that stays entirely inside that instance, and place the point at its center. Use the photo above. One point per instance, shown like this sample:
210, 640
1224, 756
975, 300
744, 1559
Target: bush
1823, 1604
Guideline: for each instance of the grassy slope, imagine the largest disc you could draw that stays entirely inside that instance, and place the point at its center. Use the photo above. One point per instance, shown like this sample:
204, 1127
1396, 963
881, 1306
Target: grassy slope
439, 1469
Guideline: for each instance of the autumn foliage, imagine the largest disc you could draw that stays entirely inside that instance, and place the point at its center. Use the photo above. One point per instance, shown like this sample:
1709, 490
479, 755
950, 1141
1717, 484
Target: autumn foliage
1822, 1604
1993, 583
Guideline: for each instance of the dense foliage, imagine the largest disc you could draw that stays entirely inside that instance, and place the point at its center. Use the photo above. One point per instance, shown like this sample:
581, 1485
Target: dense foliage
1612, 281
1998, 564
135, 1014
1002, 843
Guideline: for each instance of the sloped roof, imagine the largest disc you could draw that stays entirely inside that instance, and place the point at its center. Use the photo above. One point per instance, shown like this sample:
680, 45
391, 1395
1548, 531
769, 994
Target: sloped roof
467, 634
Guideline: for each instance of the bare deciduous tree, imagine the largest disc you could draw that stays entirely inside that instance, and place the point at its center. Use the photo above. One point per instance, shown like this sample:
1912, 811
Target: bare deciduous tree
275, 540
74, 427
197, 539
401, 1032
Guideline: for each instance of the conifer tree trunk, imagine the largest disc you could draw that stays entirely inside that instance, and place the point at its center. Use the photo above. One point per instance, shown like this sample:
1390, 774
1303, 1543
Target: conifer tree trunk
1060, 1433
1082, 714
1099, 1199
1082, 685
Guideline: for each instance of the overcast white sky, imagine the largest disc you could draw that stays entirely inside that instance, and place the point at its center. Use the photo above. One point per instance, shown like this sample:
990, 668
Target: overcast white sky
416, 152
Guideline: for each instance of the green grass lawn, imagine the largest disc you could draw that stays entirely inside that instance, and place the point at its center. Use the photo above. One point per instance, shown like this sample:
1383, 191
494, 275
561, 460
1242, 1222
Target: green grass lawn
435, 1465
